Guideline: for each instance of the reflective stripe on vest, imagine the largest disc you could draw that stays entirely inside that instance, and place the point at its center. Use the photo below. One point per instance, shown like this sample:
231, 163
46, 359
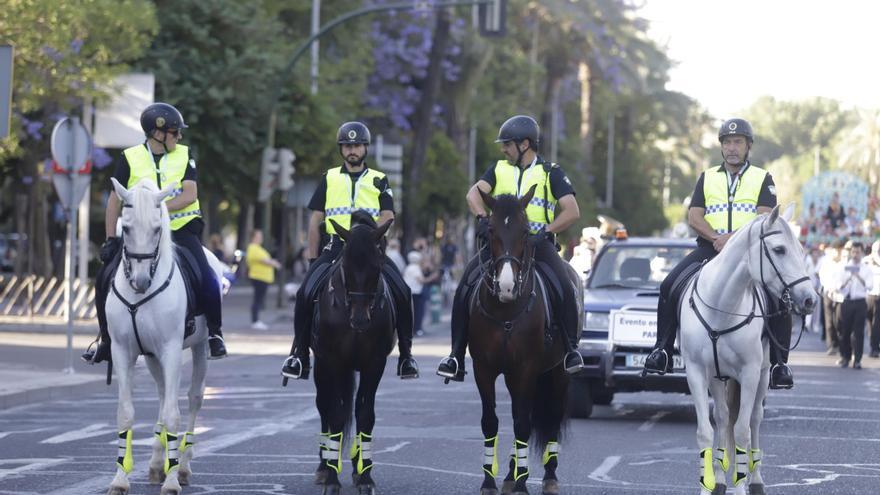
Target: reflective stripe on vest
338, 203
172, 168
722, 213
540, 210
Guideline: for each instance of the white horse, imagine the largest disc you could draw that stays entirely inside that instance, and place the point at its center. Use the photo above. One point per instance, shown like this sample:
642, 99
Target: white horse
728, 290
146, 312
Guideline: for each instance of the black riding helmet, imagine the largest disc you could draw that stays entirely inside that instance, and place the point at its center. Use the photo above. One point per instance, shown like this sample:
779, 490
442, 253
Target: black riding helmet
520, 127
736, 127
161, 116
353, 133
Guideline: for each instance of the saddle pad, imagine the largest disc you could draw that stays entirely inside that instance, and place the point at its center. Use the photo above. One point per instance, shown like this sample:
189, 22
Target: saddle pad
192, 278
681, 282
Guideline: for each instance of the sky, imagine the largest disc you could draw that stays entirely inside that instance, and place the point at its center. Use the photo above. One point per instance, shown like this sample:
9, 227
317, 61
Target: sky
730, 53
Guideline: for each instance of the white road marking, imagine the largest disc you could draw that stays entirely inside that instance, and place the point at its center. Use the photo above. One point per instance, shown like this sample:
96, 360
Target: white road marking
601, 472
647, 425
393, 448
26, 465
83, 433
5, 434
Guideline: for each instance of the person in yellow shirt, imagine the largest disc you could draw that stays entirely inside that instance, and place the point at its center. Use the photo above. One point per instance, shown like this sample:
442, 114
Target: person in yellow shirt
261, 271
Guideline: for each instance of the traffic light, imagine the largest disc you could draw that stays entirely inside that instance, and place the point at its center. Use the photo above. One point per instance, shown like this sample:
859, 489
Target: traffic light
268, 175
493, 18
286, 158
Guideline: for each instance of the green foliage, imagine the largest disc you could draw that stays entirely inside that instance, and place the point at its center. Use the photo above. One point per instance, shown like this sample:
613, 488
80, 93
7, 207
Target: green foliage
443, 189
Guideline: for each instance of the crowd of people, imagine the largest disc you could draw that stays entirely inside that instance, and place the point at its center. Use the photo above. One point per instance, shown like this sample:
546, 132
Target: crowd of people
839, 220
849, 281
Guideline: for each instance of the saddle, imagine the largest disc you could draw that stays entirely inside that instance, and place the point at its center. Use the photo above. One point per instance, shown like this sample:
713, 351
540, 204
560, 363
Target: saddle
192, 278
681, 282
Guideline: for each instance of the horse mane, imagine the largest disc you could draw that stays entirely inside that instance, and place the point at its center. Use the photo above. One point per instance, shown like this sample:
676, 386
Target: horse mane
142, 200
507, 205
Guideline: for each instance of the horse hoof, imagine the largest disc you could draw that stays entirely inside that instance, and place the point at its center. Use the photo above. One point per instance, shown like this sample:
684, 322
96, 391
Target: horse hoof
756, 489
489, 491
507, 487
115, 490
170, 491
550, 487
156, 476
183, 478
366, 490
320, 476
354, 478
720, 489
331, 490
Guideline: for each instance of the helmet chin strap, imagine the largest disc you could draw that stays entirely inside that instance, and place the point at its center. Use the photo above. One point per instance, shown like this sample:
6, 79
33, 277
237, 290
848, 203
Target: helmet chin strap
744, 160
162, 142
519, 154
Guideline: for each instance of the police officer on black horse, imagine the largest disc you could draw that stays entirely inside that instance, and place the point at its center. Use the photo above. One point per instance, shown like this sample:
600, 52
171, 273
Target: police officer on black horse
552, 210
160, 159
343, 190
725, 198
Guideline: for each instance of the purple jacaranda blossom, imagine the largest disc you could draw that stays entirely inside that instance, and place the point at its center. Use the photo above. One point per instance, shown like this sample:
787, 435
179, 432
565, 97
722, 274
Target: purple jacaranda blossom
76, 45
52, 53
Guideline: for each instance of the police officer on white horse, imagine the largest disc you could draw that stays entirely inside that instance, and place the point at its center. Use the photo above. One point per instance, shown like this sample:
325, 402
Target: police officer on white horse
163, 160
344, 189
552, 210
724, 199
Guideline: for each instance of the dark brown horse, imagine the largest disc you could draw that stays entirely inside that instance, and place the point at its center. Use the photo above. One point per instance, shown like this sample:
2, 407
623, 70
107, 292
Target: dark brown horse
508, 336
355, 332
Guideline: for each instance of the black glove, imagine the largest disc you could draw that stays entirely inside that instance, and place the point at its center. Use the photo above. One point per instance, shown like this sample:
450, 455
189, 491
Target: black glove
482, 227
110, 249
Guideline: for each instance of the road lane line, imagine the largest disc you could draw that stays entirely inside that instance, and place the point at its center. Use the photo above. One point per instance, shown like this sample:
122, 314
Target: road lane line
601, 472
649, 424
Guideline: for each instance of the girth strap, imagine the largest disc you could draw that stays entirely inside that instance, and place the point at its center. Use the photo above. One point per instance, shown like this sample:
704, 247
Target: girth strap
133, 307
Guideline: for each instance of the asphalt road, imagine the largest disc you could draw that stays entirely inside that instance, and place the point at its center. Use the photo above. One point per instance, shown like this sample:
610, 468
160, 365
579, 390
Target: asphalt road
255, 437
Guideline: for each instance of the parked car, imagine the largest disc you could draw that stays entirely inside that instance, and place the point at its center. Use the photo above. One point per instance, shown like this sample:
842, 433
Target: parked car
620, 321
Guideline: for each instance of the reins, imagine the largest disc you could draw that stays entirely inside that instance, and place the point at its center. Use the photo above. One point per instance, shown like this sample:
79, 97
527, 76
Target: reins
133, 307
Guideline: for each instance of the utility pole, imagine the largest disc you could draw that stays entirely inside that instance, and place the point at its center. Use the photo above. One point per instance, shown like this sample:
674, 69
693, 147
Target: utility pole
316, 26
609, 174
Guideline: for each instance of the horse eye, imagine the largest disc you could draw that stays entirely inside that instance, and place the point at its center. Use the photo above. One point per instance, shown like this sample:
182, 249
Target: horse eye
156, 230
125, 229
779, 250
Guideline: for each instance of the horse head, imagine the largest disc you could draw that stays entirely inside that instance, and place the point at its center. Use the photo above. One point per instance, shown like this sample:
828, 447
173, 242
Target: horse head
362, 259
781, 269
509, 243
146, 231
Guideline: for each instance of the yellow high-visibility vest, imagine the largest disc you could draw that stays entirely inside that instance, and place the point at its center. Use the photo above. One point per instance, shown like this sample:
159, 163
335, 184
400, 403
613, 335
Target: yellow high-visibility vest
727, 213
171, 169
340, 203
540, 210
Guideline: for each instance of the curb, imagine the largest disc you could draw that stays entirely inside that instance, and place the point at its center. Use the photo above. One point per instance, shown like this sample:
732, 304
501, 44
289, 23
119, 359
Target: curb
56, 392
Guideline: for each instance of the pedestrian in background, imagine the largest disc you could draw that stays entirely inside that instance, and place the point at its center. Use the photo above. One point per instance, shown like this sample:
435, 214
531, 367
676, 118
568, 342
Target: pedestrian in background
873, 262
393, 253
261, 272
828, 266
414, 278
853, 281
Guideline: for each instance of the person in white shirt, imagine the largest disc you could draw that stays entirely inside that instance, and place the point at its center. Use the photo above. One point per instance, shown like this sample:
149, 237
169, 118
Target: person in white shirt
827, 268
873, 262
415, 279
393, 252
853, 281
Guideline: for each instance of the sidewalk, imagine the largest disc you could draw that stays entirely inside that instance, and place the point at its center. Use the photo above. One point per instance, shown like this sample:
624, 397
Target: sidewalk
33, 357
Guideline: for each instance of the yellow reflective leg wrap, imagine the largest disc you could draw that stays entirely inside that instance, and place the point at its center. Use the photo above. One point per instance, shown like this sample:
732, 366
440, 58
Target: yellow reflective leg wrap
551, 451
707, 472
490, 456
754, 459
187, 441
521, 459
172, 453
361, 449
331, 451
159, 431
741, 472
124, 459
722, 459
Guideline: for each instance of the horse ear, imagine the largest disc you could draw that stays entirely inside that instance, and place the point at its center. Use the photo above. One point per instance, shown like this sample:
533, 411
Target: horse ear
340, 231
164, 193
524, 201
488, 200
788, 214
774, 214
380, 231
121, 191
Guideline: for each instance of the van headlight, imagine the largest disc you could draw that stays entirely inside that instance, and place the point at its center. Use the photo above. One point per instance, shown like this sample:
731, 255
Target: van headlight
596, 321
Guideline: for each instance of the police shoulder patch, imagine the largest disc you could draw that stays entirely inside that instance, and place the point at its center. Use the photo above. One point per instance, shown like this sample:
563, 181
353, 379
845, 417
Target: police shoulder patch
772, 190
566, 180
192, 163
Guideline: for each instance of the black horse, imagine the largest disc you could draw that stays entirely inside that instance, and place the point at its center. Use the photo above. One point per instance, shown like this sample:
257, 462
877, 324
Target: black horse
509, 335
354, 332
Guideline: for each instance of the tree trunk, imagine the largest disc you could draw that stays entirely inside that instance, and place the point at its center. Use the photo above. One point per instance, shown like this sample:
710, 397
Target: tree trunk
422, 123
585, 79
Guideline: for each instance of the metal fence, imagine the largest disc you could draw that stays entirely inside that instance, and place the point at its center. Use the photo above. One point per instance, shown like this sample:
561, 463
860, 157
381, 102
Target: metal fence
34, 299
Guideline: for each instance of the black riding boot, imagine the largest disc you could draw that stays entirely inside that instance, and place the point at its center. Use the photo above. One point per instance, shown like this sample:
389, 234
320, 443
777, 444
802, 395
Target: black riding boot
407, 367
216, 345
452, 367
660, 360
99, 350
297, 365
781, 376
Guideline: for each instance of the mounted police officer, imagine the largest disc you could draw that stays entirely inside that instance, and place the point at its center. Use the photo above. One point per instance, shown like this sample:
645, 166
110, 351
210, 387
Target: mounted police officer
552, 210
343, 190
163, 160
725, 198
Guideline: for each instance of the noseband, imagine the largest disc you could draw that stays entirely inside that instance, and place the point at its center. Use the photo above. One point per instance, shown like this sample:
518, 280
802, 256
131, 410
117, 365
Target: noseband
523, 264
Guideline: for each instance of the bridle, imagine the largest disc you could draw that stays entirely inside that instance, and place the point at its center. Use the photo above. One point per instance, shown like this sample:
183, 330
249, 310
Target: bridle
524, 264
375, 296
786, 287
127, 256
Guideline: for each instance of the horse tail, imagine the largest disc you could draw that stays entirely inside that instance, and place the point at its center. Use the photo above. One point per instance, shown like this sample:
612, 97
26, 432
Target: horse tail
347, 393
549, 408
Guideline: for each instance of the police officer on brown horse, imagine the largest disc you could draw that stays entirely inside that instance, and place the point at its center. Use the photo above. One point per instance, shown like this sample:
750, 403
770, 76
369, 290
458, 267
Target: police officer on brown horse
552, 210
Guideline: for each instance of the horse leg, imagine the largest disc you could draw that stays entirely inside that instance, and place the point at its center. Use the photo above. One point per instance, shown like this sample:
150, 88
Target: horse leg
171, 416
124, 418
322, 403
721, 459
550, 421
195, 399
521, 387
698, 383
157, 458
485, 380
332, 454
365, 413
749, 382
756, 481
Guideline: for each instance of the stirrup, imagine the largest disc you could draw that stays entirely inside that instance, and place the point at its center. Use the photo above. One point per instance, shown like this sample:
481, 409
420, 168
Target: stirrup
288, 363
658, 370
91, 352
408, 376
572, 369
446, 360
